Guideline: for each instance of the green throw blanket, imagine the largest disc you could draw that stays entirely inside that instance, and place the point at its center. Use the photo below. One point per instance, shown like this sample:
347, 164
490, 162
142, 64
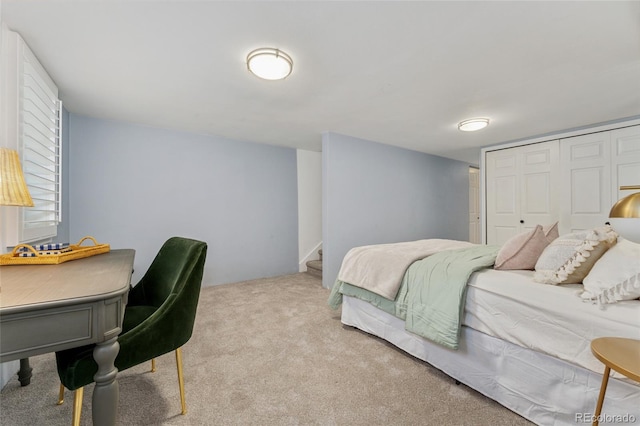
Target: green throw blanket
431, 298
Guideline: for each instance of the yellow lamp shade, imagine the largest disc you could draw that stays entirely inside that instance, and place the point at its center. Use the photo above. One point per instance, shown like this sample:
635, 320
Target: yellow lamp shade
13, 188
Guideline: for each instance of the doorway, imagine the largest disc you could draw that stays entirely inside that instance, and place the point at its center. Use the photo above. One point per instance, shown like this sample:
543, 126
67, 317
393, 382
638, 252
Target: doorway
474, 205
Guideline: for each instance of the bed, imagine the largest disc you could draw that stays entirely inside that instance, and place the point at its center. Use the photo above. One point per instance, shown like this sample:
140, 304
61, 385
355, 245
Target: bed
522, 343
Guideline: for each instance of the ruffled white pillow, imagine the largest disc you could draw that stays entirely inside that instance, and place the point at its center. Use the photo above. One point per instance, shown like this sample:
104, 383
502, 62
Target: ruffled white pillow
616, 276
569, 258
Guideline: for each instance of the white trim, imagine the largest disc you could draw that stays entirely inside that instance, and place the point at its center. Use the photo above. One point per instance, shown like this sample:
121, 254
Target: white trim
309, 167
564, 134
312, 255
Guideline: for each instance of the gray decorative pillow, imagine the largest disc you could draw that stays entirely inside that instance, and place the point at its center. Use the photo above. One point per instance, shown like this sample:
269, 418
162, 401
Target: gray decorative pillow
569, 258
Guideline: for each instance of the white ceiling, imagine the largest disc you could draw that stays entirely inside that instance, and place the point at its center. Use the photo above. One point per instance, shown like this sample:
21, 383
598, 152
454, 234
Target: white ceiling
400, 73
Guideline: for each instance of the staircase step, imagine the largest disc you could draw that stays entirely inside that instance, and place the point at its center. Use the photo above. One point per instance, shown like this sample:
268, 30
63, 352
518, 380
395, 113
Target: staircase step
314, 267
315, 273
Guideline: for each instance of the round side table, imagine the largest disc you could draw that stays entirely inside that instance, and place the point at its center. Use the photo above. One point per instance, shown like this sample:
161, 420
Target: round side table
621, 355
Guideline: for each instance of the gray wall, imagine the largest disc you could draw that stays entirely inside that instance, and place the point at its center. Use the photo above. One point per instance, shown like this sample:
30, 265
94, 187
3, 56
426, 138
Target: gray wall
375, 194
135, 186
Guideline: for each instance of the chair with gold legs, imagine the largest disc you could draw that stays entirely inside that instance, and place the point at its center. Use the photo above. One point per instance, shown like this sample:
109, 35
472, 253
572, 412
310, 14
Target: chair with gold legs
158, 319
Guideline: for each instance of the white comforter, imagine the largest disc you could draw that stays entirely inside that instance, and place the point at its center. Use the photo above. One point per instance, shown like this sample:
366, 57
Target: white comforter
379, 268
550, 319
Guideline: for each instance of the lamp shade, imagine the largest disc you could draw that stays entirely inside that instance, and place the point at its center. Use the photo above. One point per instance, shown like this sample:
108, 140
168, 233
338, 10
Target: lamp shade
625, 215
628, 206
13, 188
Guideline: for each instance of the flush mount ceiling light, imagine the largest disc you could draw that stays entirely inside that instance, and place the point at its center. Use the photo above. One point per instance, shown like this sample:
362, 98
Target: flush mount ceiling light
473, 124
269, 64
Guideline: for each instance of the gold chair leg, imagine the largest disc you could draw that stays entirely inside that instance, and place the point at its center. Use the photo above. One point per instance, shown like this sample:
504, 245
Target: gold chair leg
153, 365
61, 395
181, 380
603, 389
77, 406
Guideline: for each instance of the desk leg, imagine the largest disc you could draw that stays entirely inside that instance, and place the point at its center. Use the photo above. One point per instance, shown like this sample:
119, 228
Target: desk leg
24, 375
105, 393
603, 389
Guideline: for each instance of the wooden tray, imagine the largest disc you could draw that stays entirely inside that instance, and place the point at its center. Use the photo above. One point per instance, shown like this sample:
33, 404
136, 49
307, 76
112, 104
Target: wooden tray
77, 252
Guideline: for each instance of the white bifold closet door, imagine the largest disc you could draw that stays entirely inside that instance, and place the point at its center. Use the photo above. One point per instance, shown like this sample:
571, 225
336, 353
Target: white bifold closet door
522, 189
586, 177
594, 167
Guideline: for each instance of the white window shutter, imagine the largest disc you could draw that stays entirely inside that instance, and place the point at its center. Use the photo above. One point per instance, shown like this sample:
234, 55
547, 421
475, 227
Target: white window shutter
38, 132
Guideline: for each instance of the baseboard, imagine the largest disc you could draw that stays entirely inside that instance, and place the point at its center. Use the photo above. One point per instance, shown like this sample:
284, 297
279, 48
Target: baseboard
7, 371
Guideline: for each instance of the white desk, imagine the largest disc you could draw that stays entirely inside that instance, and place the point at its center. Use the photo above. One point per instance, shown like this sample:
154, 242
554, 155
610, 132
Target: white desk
47, 308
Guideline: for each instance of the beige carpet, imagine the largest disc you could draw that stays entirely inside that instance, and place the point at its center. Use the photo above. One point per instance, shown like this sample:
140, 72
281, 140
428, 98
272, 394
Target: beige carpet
270, 352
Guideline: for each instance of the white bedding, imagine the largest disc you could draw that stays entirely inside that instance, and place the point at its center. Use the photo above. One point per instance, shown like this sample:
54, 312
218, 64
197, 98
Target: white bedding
541, 388
379, 268
550, 319
524, 344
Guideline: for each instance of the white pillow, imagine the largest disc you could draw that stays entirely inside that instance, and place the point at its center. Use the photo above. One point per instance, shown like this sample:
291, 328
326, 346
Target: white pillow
616, 275
569, 258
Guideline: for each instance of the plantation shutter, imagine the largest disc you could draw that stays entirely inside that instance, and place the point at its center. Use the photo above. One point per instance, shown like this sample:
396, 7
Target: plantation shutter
39, 143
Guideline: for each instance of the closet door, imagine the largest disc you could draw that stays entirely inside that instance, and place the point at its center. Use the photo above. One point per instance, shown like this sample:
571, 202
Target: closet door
502, 198
586, 181
522, 185
539, 189
625, 161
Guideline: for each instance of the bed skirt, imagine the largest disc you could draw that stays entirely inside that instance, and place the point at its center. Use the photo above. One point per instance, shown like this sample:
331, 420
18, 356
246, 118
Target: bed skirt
540, 388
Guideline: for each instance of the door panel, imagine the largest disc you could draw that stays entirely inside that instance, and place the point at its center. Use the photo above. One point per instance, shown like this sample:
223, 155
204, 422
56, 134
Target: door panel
586, 188
540, 175
536, 191
521, 189
625, 145
501, 195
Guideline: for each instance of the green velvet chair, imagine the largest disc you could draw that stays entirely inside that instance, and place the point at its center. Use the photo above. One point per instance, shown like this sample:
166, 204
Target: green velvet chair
158, 319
